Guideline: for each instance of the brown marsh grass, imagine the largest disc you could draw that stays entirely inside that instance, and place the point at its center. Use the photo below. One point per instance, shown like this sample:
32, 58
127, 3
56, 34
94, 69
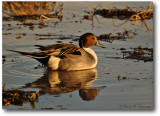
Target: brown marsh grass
33, 10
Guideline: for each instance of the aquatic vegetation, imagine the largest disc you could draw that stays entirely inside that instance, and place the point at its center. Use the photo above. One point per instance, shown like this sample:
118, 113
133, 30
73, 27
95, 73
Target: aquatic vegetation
139, 54
120, 77
18, 97
110, 37
142, 15
127, 14
3, 59
145, 54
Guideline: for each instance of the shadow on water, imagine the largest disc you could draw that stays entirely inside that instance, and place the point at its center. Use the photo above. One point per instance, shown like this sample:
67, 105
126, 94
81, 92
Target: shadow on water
60, 82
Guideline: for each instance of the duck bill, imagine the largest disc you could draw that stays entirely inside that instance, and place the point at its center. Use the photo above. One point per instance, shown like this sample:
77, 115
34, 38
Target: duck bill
100, 45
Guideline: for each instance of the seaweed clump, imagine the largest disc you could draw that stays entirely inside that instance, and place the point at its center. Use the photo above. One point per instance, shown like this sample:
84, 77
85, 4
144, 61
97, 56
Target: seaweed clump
126, 13
109, 37
18, 97
115, 13
145, 54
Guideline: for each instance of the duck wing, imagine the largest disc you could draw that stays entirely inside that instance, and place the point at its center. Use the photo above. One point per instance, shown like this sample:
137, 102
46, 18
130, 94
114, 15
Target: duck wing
61, 50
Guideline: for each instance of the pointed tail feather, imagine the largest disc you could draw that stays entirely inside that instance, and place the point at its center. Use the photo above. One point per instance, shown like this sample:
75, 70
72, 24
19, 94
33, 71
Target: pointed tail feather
43, 58
33, 55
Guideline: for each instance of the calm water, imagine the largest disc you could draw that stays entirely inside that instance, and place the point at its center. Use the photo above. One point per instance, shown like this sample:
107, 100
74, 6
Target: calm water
91, 89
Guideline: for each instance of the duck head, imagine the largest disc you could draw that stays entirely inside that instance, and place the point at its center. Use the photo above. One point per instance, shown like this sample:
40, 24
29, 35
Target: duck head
89, 39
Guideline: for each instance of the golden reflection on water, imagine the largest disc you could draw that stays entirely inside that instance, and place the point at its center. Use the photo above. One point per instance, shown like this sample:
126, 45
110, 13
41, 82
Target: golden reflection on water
60, 82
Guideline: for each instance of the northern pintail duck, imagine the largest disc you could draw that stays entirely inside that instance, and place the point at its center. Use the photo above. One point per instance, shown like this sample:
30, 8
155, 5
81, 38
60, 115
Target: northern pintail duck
68, 56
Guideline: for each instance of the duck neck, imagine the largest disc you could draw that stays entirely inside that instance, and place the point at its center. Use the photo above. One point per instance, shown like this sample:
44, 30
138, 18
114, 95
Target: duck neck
91, 52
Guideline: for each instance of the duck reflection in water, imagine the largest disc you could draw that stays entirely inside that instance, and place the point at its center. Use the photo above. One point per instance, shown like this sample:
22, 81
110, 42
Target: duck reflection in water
61, 82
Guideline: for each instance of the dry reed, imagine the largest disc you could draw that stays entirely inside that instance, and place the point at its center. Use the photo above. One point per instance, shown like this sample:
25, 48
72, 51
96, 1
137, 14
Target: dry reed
33, 10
